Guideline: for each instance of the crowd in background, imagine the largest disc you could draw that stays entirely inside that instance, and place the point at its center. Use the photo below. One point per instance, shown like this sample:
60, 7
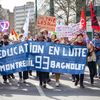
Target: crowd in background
93, 58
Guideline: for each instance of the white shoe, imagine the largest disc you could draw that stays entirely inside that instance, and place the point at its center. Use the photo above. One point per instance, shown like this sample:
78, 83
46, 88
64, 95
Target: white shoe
57, 84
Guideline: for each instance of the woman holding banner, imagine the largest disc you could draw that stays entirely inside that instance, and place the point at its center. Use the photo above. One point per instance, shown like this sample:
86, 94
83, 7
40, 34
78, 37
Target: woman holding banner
23, 75
79, 41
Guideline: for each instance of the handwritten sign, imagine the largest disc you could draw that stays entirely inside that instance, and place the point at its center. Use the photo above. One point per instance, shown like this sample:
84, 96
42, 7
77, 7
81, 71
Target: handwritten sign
46, 22
69, 31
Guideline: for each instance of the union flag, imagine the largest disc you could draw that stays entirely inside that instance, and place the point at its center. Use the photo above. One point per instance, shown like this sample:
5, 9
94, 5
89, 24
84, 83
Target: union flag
94, 21
14, 34
83, 20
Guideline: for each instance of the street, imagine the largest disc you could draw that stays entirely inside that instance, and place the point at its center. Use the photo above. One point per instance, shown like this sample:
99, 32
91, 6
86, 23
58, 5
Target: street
56, 36
67, 91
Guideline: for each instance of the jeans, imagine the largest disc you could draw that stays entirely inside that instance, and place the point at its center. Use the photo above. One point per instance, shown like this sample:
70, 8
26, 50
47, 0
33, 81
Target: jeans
79, 77
92, 69
23, 75
43, 77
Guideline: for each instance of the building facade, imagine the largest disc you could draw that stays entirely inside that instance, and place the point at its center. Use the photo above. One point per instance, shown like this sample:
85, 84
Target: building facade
20, 13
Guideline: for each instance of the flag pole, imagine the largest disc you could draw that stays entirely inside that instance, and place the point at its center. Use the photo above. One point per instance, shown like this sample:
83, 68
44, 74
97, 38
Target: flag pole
36, 15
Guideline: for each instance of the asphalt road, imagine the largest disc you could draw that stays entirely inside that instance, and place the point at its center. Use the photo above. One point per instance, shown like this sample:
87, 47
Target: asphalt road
67, 91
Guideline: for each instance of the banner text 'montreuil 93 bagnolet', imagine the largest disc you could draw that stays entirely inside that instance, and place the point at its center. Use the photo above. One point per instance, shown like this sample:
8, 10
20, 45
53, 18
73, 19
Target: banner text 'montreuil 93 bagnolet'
42, 56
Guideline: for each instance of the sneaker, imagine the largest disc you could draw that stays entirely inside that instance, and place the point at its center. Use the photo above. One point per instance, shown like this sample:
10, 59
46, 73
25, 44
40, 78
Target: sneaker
57, 84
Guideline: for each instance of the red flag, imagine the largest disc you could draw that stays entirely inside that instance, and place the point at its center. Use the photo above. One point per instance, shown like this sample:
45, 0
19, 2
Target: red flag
83, 20
83, 25
14, 33
94, 21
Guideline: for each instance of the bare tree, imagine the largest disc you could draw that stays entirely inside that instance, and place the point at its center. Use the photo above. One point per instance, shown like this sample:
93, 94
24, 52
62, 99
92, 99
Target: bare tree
63, 9
1, 14
68, 8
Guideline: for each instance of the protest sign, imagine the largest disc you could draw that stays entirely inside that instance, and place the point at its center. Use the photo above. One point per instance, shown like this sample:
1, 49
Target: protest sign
46, 22
67, 30
4, 26
42, 56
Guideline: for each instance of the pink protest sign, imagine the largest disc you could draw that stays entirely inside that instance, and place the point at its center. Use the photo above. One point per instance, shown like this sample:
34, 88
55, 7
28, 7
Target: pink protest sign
4, 26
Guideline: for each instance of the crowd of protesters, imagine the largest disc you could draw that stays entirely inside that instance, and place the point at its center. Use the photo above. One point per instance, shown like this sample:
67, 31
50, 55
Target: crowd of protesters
93, 58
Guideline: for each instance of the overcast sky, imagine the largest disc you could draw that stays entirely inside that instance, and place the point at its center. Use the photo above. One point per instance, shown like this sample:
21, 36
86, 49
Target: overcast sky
10, 4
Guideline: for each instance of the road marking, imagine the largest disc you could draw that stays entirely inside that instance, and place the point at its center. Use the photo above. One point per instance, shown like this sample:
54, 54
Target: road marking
39, 90
42, 94
38, 87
